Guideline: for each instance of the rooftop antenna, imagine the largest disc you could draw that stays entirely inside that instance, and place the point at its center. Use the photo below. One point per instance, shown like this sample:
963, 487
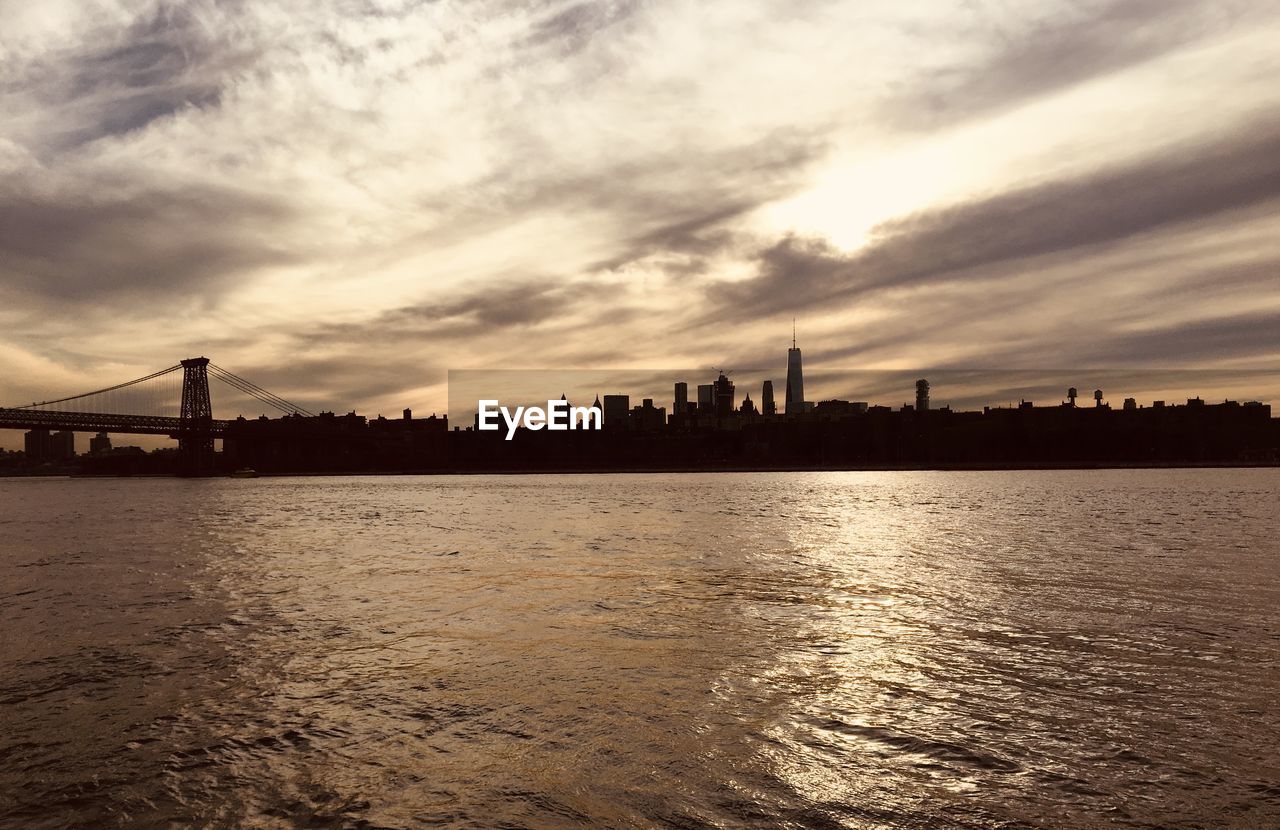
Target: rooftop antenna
793, 332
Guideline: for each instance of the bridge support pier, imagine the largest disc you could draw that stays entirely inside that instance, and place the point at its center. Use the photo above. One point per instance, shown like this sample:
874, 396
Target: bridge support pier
195, 431
195, 455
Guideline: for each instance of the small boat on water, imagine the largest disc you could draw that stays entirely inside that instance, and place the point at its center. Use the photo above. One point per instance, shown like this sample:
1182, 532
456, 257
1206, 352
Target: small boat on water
245, 472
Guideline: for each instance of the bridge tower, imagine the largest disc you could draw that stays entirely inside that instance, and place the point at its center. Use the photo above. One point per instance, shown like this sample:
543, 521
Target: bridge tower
195, 430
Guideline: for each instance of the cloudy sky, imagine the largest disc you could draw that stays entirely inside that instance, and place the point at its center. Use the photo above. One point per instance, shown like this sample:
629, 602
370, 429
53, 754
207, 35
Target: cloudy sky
344, 200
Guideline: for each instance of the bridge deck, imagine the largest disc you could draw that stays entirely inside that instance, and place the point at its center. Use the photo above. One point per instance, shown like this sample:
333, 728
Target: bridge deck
95, 422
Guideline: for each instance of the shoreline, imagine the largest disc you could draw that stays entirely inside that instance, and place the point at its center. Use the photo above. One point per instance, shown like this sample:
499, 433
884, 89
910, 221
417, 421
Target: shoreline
870, 468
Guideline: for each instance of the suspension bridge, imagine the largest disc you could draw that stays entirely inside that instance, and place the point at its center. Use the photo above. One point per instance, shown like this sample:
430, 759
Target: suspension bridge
173, 402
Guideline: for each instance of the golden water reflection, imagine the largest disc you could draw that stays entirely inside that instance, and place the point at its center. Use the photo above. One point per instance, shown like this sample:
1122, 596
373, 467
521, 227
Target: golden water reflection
824, 650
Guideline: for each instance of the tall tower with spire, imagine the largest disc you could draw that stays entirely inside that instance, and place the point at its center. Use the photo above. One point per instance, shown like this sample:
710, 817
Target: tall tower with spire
795, 377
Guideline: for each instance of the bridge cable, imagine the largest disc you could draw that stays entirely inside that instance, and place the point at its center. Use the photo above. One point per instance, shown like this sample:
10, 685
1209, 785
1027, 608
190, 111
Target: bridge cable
229, 374
258, 393
103, 391
255, 391
254, 395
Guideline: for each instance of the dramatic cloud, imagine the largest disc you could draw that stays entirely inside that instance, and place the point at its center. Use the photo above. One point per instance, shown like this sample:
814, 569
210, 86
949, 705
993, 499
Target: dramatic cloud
135, 244
344, 200
1035, 49
1053, 219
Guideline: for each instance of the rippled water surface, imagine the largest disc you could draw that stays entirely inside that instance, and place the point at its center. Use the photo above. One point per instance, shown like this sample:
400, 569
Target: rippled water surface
982, 649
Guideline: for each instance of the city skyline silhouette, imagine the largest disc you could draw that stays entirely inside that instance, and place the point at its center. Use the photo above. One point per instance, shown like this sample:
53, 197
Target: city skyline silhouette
714, 425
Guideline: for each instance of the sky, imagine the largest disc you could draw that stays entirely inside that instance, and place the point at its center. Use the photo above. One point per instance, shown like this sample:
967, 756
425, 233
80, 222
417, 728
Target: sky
343, 201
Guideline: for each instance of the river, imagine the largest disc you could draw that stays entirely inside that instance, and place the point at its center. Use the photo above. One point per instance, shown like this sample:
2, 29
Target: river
827, 650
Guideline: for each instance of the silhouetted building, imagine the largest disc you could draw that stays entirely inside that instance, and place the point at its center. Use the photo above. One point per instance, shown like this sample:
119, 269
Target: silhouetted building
1130, 404
747, 408
680, 406
723, 395
829, 410
706, 397
767, 406
922, 395
41, 445
648, 418
62, 446
99, 444
36, 445
795, 402
617, 411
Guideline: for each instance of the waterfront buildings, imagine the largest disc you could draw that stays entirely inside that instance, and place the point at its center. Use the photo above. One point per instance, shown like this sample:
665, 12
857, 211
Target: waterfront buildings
43, 445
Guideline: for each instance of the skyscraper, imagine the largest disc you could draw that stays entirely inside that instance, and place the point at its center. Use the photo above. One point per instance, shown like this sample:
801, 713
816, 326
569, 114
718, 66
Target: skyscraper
617, 411
648, 418
922, 395
680, 407
706, 398
767, 405
37, 444
62, 445
723, 395
795, 379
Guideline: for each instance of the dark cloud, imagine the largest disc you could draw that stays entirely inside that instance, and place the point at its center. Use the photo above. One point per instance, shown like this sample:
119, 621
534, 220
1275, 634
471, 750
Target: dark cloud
685, 245
1056, 219
1186, 342
1067, 49
1252, 334
118, 80
695, 224
136, 249
491, 311
497, 307
667, 192
571, 27
130, 114
681, 206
